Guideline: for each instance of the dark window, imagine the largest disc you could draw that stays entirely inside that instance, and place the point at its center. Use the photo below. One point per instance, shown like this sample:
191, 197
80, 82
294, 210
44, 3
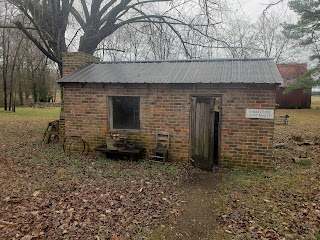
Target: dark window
125, 112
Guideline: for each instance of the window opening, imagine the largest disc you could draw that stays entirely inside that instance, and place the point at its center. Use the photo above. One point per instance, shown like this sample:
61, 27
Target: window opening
125, 112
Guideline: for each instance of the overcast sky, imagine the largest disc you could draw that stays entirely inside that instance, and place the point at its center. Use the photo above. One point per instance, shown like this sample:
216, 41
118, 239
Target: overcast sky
252, 9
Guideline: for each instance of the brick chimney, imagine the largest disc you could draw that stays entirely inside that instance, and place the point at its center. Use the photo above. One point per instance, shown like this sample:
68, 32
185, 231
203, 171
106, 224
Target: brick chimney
71, 61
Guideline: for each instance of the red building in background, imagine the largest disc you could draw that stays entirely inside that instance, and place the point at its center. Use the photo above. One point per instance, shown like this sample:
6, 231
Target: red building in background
297, 98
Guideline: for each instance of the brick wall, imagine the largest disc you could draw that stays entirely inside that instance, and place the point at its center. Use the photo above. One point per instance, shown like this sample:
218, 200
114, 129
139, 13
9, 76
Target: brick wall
71, 61
244, 142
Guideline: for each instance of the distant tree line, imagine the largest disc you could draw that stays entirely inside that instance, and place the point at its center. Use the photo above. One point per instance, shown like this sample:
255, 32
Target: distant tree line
26, 75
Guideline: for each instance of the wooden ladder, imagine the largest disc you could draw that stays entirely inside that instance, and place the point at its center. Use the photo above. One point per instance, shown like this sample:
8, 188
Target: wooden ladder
52, 132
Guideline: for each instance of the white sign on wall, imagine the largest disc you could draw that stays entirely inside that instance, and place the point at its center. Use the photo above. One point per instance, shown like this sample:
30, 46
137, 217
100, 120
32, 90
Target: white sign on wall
260, 113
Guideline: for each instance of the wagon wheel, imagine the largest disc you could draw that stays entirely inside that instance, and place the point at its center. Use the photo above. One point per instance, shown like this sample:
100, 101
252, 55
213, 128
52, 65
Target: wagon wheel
71, 141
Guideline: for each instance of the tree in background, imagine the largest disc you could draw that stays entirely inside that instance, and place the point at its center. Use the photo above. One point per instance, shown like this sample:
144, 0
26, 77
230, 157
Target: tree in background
262, 38
24, 69
307, 31
147, 42
239, 39
240, 35
11, 45
271, 42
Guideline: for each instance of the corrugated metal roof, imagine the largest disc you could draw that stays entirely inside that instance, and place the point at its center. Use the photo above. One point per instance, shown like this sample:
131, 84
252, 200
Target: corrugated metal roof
180, 71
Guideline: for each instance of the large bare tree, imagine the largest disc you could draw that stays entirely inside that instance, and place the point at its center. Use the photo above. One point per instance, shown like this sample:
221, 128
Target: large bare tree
96, 20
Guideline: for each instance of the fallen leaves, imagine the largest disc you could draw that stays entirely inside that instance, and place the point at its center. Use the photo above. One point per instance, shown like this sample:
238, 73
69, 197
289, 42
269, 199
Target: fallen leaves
45, 195
283, 203
36, 193
117, 211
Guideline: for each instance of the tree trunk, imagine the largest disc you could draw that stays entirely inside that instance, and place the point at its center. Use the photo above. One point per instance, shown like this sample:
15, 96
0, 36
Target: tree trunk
10, 93
5, 59
88, 45
34, 92
20, 92
5, 93
14, 102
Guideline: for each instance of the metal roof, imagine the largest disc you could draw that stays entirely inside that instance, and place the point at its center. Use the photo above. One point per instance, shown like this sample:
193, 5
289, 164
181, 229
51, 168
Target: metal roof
263, 70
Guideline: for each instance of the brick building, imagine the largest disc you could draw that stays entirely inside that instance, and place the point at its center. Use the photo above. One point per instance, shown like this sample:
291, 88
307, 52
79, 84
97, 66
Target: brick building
297, 98
217, 111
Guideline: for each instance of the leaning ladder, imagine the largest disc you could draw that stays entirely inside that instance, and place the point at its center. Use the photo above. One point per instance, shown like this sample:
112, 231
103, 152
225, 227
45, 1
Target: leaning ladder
52, 132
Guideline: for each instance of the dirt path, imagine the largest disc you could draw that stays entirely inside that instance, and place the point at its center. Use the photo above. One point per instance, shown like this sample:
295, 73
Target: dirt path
199, 204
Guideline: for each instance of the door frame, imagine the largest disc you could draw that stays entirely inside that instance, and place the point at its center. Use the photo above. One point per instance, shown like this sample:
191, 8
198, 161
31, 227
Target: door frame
219, 101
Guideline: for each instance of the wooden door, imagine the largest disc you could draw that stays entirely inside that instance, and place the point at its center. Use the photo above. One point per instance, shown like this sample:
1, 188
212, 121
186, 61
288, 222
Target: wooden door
202, 116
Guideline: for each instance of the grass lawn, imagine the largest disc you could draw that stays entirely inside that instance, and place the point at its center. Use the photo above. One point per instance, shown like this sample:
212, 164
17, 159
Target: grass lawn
47, 195
315, 102
29, 113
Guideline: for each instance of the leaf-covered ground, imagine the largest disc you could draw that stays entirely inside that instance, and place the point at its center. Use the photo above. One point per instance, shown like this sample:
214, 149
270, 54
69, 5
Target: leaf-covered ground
46, 195
283, 203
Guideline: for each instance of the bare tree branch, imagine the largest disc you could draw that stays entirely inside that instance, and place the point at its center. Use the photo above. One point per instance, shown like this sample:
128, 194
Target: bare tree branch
36, 42
111, 16
78, 17
270, 5
85, 9
110, 49
106, 7
15, 27
164, 20
74, 37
